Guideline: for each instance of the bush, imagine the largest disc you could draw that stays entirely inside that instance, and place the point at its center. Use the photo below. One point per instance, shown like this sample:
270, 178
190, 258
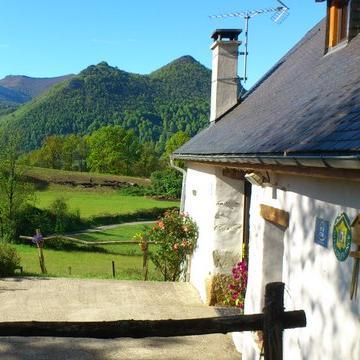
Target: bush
32, 218
176, 235
139, 215
49, 221
135, 190
166, 182
9, 260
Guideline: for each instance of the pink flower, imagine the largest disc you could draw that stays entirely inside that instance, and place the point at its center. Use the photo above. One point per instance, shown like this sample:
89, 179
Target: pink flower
161, 225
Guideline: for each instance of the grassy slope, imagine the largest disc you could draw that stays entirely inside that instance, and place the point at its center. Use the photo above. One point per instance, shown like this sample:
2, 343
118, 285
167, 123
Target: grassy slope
94, 202
128, 258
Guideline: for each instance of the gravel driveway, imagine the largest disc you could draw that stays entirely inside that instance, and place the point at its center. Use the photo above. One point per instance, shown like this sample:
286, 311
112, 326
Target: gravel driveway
49, 299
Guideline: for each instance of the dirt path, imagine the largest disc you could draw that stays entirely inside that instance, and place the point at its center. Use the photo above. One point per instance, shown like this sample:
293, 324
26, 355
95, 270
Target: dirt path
51, 299
107, 227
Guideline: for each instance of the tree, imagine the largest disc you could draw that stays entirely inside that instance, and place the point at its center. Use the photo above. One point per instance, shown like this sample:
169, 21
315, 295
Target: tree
148, 161
14, 191
83, 151
52, 151
113, 150
70, 148
175, 141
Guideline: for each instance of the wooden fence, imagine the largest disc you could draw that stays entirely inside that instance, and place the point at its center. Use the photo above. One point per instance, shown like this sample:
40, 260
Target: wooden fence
40, 246
272, 322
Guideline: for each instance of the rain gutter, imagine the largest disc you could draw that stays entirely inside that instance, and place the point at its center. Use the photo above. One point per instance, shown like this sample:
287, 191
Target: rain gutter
183, 186
317, 161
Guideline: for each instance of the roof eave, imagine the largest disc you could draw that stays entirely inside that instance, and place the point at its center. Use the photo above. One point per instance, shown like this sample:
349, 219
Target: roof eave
313, 161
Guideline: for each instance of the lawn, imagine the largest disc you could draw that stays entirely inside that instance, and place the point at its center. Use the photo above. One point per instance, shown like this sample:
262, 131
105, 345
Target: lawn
120, 233
92, 264
98, 201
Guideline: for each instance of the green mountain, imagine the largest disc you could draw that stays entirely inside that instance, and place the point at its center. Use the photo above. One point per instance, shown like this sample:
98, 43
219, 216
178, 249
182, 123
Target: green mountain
175, 97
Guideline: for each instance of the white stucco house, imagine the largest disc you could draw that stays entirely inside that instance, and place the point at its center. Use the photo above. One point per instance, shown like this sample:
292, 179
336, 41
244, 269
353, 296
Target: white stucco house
279, 170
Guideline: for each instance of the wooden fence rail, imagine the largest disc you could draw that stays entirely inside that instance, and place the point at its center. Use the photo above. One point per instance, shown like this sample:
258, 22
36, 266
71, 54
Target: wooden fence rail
84, 242
272, 322
91, 243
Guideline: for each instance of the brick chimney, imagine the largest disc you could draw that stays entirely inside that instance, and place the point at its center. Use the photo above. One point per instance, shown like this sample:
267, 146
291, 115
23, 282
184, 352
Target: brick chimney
224, 86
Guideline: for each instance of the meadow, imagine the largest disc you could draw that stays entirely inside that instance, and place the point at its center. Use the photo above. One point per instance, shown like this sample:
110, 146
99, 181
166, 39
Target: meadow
97, 201
94, 262
98, 204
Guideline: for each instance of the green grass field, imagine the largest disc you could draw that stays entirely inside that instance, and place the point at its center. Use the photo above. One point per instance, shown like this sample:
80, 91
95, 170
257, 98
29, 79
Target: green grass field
92, 264
97, 201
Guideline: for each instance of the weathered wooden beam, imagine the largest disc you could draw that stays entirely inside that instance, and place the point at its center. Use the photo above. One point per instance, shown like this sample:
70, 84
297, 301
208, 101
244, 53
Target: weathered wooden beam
147, 328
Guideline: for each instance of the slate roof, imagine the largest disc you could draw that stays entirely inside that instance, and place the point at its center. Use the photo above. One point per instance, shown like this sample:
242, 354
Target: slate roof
307, 104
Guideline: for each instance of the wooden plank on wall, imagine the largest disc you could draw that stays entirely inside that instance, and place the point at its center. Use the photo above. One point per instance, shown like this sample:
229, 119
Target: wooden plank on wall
274, 215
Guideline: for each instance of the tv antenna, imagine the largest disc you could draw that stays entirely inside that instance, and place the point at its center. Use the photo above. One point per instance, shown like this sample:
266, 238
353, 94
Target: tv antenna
280, 13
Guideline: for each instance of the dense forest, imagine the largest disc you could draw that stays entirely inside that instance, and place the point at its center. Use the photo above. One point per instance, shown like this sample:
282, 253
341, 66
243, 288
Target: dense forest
171, 99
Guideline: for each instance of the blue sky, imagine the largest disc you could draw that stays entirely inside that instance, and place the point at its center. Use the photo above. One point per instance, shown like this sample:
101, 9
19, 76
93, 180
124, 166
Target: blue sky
55, 37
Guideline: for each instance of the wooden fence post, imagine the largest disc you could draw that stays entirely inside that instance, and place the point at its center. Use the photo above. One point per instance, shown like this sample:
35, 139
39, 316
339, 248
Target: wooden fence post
113, 269
273, 317
145, 262
40, 245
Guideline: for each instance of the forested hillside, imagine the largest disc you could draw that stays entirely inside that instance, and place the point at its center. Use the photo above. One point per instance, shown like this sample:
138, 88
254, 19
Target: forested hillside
175, 97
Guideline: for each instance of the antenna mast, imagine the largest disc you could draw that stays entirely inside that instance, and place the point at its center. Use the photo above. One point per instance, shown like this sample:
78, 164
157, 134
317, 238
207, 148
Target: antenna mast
280, 14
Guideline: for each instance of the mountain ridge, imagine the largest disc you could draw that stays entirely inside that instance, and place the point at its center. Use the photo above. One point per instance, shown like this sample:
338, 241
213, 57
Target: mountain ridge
174, 97
31, 86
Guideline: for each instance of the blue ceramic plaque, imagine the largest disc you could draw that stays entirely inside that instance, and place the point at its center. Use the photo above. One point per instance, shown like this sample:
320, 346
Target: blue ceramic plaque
322, 232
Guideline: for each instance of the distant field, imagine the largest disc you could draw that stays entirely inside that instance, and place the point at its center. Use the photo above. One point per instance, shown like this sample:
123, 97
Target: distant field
97, 201
61, 176
92, 264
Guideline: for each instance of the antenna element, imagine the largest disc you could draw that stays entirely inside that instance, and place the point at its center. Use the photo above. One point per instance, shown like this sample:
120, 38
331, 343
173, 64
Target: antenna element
280, 13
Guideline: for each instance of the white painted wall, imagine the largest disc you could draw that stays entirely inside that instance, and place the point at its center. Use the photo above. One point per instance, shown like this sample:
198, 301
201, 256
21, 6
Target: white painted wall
315, 280
199, 204
215, 202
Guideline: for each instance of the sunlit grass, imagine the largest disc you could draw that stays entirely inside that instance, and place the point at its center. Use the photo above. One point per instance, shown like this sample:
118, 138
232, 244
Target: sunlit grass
95, 202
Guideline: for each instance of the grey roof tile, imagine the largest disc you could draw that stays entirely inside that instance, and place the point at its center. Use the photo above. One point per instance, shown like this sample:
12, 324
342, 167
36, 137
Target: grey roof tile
308, 103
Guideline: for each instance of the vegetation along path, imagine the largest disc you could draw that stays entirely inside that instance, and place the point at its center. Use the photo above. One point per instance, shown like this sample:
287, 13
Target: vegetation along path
48, 299
112, 226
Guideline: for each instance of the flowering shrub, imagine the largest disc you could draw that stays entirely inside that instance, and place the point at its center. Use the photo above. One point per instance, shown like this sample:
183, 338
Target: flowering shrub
237, 285
175, 235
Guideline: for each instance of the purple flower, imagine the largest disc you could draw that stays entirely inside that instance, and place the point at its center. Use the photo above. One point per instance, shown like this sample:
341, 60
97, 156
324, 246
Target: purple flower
36, 239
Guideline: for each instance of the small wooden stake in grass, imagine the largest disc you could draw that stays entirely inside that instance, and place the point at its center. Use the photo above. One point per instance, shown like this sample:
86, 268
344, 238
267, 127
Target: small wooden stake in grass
113, 269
